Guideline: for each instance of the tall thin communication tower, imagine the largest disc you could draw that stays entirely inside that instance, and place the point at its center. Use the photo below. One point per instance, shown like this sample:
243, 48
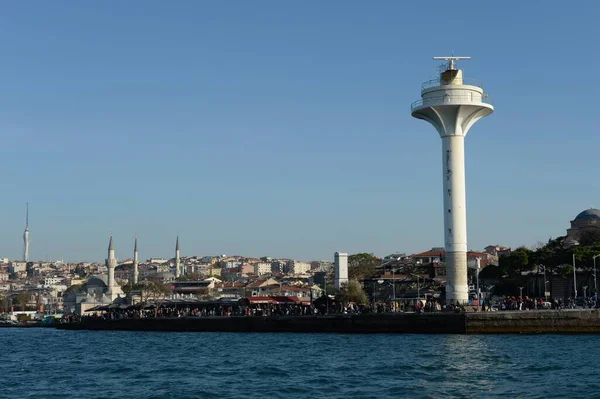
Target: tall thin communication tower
26, 236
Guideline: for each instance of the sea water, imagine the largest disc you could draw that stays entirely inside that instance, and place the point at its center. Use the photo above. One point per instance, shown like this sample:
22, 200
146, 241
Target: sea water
48, 363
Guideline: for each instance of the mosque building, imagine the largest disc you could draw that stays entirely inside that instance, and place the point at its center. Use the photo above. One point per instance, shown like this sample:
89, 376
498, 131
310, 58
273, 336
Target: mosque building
586, 221
99, 289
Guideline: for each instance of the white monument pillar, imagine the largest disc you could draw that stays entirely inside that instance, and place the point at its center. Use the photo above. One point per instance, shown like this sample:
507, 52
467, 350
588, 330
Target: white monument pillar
340, 269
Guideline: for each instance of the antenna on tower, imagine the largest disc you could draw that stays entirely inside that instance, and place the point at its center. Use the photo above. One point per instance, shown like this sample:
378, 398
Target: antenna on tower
27, 216
451, 60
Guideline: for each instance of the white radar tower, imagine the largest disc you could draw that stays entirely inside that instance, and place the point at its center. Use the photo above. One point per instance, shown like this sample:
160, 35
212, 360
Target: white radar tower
452, 105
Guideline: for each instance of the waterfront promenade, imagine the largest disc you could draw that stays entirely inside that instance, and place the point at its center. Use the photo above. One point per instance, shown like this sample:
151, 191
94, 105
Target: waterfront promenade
524, 322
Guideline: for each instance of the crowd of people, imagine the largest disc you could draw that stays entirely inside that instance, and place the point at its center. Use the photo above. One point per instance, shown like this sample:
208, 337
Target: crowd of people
429, 305
196, 311
526, 303
521, 303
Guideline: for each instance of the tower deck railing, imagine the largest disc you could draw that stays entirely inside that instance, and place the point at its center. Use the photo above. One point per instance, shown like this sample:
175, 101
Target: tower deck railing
451, 100
437, 82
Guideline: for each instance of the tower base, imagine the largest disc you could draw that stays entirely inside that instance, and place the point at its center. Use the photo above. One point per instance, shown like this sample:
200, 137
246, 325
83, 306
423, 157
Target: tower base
457, 289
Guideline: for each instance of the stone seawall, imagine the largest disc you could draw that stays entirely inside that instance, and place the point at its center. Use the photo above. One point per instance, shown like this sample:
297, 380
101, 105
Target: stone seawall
445, 323
526, 322
534, 322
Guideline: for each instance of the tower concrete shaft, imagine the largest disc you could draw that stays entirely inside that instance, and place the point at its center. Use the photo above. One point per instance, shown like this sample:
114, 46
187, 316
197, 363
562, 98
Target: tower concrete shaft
452, 105
26, 236
136, 261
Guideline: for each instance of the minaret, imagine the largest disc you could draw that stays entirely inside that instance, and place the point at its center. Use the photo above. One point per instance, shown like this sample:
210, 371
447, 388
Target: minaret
136, 272
453, 105
177, 261
111, 262
26, 236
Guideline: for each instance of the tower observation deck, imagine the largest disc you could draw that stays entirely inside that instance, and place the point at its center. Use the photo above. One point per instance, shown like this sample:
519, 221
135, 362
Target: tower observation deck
452, 104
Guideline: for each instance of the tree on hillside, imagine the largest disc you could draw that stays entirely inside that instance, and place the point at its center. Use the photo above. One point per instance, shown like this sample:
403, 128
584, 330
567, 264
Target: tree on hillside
191, 277
491, 272
352, 292
559, 259
362, 265
590, 238
22, 299
330, 284
516, 262
584, 256
129, 288
4, 305
153, 290
554, 257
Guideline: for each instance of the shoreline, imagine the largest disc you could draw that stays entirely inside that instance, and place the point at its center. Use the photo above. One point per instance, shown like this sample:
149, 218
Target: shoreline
522, 322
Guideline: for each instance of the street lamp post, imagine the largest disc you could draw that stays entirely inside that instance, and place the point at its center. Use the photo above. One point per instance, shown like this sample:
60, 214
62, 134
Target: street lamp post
393, 290
595, 283
574, 278
326, 297
478, 266
380, 281
545, 282
374, 289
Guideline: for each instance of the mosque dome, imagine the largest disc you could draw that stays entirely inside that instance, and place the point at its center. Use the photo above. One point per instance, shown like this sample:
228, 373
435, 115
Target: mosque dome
589, 214
97, 281
70, 297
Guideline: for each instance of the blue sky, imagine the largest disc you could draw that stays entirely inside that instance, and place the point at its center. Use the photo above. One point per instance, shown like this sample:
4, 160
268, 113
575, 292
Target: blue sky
284, 128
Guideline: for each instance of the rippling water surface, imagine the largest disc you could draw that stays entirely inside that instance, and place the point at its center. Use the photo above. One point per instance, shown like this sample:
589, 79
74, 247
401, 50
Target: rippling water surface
47, 363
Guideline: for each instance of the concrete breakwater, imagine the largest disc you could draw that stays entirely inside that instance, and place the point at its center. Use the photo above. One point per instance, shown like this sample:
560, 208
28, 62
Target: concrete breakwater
526, 322
534, 322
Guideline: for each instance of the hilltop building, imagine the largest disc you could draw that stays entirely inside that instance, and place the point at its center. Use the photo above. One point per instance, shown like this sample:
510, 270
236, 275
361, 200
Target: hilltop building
586, 221
437, 257
497, 250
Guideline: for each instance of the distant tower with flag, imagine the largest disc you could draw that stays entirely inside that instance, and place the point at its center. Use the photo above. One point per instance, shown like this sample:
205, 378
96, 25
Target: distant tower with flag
26, 235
